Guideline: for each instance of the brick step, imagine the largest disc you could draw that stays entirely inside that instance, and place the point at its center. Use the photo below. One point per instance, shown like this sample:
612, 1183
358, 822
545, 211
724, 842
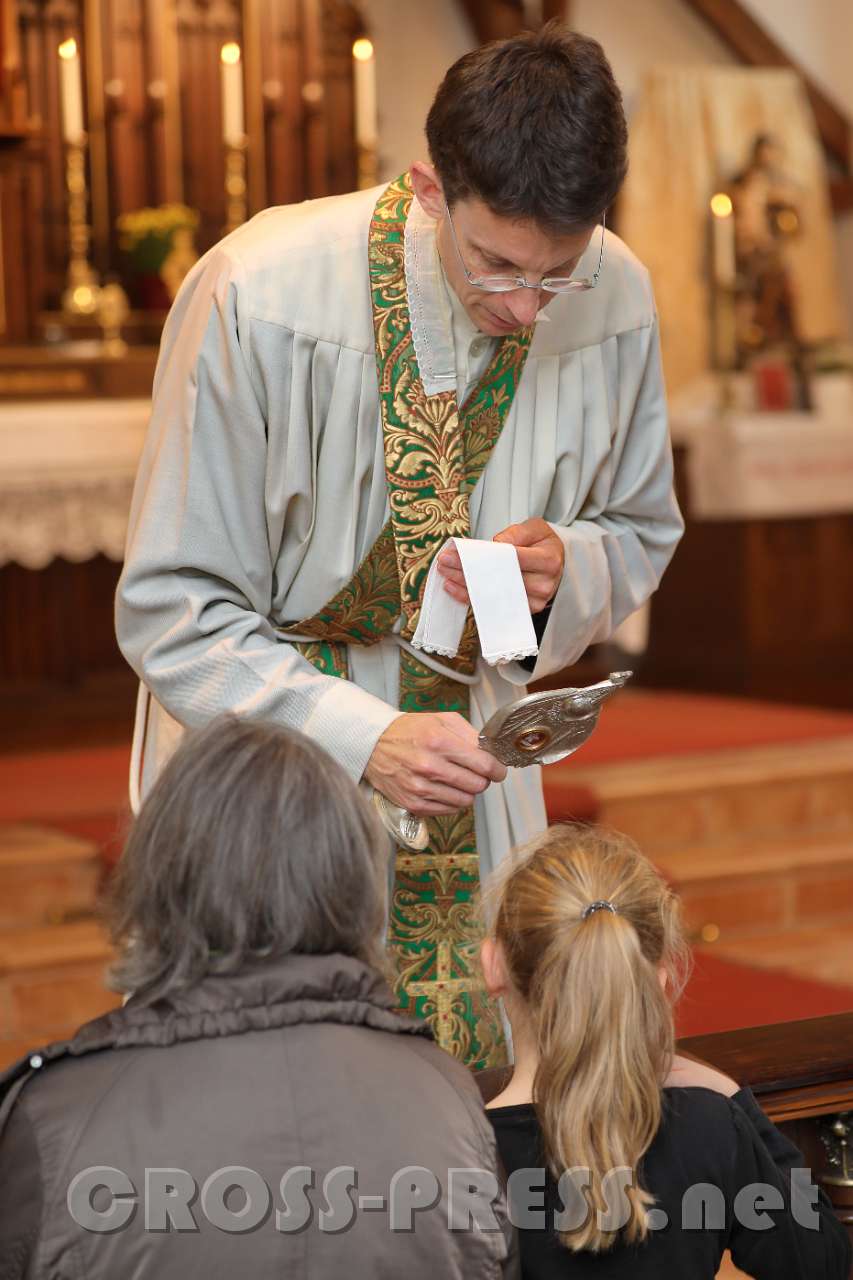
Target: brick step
51, 981
718, 797
749, 885
765, 855
45, 875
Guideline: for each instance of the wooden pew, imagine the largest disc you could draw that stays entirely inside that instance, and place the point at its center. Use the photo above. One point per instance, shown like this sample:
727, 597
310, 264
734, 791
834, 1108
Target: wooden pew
802, 1075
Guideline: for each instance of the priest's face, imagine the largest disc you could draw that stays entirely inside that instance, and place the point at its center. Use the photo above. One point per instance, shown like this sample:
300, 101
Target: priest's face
489, 245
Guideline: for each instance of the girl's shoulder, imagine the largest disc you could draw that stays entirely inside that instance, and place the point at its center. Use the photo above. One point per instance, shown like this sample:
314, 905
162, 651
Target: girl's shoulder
700, 1130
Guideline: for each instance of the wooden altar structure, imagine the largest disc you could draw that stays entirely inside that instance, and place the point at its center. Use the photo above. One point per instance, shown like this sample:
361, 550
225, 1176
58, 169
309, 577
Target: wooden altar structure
152, 104
761, 607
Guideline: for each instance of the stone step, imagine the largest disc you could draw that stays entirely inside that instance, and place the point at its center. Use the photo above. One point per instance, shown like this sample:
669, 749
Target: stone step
717, 797
745, 886
46, 876
51, 981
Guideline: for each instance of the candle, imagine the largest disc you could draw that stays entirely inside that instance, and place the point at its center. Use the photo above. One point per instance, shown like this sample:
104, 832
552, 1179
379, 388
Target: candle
71, 91
232, 95
364, 69
724, 240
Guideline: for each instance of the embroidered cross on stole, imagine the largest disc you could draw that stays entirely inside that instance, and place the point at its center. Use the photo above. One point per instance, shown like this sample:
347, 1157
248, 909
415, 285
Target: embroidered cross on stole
434, 455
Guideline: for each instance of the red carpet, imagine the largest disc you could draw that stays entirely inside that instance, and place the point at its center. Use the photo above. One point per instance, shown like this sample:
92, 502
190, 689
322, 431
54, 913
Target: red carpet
638, 724
723, 995
84, 792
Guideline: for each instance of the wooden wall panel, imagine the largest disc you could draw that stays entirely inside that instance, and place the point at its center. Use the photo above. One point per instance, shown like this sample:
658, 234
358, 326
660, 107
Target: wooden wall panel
202, 30
341, 24
759, 608
284, 106
131, 176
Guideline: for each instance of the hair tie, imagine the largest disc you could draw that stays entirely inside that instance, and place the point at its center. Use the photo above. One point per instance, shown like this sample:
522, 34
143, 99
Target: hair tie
601, 905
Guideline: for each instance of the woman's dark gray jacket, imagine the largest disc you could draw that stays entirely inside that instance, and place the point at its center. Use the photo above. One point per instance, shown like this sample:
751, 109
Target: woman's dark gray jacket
297, 1070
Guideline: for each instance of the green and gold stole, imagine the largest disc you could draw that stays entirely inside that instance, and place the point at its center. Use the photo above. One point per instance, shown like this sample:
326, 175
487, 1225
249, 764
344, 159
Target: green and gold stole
434, 455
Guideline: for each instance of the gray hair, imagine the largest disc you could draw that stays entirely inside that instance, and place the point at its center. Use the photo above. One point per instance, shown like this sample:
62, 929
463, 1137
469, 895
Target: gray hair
252, 844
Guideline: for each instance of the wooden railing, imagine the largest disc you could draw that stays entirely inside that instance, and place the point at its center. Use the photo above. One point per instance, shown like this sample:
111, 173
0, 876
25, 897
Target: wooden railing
802, 1075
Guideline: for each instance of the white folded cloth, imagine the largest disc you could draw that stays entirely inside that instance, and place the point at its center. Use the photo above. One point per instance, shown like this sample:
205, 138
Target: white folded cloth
498, 598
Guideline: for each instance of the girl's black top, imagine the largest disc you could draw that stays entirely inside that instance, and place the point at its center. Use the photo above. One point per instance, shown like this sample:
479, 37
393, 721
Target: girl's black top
704, 1138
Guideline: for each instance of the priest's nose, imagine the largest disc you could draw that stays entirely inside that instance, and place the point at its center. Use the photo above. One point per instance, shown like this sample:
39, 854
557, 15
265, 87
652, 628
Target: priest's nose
524, 304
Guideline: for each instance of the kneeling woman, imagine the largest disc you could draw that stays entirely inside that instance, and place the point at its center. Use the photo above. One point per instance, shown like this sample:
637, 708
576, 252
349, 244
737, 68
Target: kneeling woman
586, 951
258, 1107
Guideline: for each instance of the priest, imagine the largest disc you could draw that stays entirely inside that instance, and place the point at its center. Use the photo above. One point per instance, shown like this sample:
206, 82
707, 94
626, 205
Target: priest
345, 384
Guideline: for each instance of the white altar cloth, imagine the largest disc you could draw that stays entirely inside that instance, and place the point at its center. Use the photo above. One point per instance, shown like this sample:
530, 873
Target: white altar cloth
771, 465
748, 465
67, 469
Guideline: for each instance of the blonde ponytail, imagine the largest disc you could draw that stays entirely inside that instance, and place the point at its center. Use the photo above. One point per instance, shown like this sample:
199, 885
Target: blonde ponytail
603, 1024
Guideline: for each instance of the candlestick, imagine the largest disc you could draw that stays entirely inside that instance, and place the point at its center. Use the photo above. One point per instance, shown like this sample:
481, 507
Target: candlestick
71, 91
81, 292
235, 185
233, 125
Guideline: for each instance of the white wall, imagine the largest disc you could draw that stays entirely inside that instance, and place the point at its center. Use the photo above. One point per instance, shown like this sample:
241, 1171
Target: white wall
415, 42
819, 35
638, 34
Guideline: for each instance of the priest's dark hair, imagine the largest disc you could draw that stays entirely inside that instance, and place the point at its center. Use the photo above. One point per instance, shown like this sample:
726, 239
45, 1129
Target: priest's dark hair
534, 127
253, 844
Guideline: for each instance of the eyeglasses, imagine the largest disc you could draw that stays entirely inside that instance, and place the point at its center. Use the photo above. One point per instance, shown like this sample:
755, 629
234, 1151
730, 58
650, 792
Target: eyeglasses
505, 284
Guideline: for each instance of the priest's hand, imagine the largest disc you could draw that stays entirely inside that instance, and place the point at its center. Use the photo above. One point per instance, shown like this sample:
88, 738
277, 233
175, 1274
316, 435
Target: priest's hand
430, 763
541, 556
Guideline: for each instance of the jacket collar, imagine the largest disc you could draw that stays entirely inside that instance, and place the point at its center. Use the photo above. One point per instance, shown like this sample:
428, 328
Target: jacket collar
292, 991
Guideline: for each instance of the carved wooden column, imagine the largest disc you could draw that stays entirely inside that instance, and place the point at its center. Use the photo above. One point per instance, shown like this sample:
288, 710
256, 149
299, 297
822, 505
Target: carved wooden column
18, 276
164, 96
203, 28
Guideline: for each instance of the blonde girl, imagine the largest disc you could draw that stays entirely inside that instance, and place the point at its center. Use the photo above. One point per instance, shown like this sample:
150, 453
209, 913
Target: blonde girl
585, 947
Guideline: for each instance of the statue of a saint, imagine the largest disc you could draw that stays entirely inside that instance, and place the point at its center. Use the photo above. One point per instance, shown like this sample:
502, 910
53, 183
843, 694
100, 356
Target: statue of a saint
766, 218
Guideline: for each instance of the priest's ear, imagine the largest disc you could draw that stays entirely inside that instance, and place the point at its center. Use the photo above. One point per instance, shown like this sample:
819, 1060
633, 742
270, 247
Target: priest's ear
427, 187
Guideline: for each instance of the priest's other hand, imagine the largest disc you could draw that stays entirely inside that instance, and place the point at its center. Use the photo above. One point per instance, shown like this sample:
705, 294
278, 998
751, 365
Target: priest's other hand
430, 763
541, 556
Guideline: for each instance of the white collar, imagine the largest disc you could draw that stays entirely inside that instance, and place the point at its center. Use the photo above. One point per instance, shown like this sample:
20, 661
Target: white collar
429, 303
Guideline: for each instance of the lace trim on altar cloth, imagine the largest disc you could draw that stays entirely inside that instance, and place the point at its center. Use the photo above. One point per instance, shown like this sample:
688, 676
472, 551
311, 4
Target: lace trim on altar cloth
38, 525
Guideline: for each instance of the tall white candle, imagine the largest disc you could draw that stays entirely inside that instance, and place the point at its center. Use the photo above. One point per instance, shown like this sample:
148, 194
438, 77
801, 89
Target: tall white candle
364, 71
71, 91
724, 239
232, 94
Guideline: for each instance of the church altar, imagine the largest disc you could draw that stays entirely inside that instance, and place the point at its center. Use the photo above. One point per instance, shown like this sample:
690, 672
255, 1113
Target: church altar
66, 477
743, 464
758, 599
771, 465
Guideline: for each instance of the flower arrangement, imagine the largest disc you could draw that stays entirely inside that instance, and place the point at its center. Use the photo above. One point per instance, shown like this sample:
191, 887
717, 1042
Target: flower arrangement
145, 235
